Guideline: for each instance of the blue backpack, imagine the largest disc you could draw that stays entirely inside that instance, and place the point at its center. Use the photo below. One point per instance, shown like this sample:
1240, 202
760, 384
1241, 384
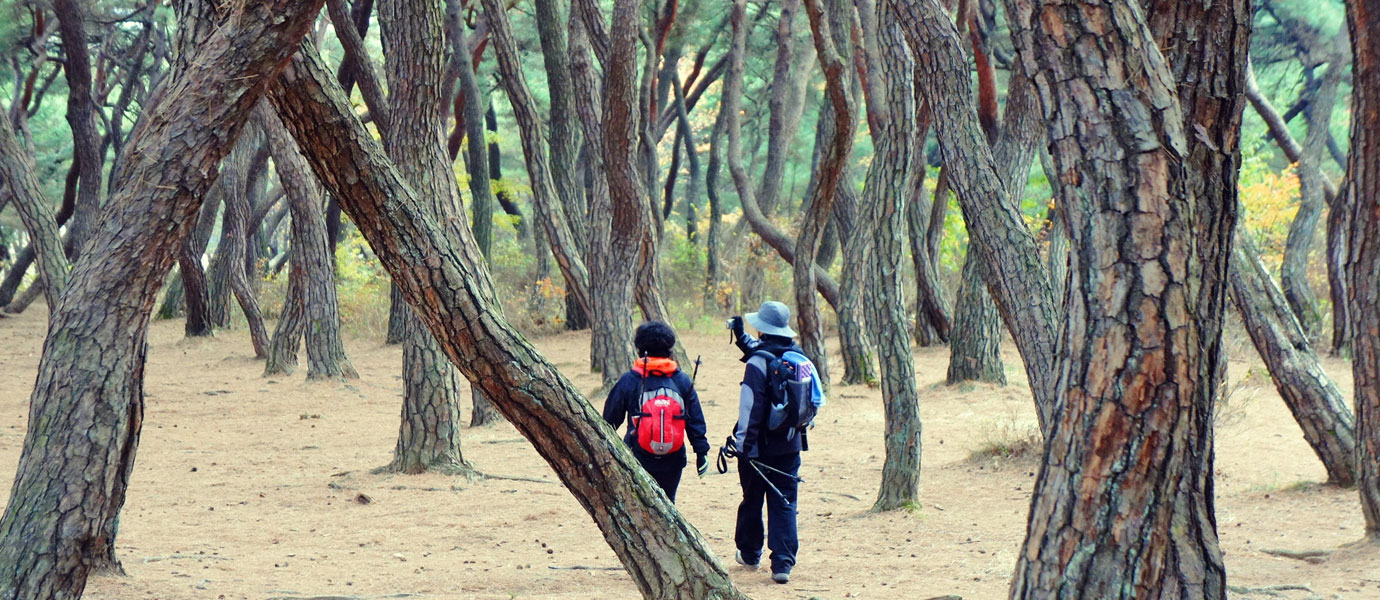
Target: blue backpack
793, 389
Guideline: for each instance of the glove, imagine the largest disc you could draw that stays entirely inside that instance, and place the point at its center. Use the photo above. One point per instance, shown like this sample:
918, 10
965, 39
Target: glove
702, 464
736, 325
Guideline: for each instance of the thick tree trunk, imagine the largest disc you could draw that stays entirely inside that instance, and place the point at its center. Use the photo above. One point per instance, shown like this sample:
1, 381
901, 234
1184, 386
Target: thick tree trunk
1311, 396
665, 556
413, 59
611, 325
890, 180
830, 27
1144, 300
95, 410
856, 277
975, 347
429, 437
312, 298
1363, 265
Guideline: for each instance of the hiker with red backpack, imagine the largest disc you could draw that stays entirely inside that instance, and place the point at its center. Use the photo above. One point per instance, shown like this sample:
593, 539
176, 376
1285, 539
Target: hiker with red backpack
658, 401
777, 402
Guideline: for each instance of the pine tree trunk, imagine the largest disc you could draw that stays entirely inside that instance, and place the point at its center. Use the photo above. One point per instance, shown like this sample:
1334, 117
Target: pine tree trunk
1309, 393
236, 220
1338, 227
975, 347
713, 265
174, 299
312, 280
857, 257
413, 59
14, 276
96, 410
81, 118
1363, 265
890, 179
611, 293
666, 558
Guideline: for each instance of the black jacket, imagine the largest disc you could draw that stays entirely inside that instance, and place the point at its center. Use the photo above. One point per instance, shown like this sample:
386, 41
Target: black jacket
623, 403
753, 440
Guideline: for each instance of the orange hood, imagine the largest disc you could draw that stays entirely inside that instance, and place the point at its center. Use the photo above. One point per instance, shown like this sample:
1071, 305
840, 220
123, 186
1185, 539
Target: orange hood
655, 367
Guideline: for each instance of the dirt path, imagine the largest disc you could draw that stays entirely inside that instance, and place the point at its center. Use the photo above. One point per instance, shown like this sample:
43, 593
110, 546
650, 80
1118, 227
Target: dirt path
247, 487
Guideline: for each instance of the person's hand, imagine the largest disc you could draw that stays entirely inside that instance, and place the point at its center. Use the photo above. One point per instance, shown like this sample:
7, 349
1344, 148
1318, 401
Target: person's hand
702, 464
736, 325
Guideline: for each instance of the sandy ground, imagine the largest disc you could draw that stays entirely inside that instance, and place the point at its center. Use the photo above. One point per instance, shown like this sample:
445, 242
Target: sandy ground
247, 487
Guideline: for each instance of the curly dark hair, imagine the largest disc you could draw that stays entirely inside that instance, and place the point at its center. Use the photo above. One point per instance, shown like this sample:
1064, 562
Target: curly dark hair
654, 338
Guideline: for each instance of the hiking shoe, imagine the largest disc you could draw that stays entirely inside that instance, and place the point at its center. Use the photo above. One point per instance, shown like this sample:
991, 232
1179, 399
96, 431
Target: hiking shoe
738, 556
781, 577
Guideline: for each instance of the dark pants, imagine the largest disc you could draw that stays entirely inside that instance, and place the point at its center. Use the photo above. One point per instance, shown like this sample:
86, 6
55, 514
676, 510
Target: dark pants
781, 531
668, 481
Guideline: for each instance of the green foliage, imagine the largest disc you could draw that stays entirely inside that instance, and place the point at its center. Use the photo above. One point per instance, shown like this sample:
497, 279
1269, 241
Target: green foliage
363, 288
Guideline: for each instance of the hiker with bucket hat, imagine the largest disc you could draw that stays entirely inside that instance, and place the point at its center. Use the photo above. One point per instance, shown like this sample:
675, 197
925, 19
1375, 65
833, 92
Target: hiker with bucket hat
658, 401
768, 454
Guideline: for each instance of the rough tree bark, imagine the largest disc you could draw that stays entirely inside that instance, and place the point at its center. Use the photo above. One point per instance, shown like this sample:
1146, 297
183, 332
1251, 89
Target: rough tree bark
428, 437
1311, 396
1363, 261
94, 409
665, 556
610, 326
890, 178
1143, 316
311, 309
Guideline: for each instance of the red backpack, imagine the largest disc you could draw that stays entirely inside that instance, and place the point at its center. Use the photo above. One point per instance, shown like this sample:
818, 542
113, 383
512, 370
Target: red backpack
661, 421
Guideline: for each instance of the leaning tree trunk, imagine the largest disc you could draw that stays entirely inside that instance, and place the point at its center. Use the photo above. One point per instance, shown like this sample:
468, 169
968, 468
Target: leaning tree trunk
61, 514
1309, 393
830, 29
17, 174
975, 345
413, 59
81, 117
890, 179
1363, 266
665, 556
311, 301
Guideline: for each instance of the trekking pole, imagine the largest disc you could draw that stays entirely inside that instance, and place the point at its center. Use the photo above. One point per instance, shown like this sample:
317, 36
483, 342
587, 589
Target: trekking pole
775, 470
758, 467
695, 375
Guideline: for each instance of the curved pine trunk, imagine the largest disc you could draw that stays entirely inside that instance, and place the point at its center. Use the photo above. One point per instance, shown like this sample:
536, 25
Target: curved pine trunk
194, 285
890, 179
